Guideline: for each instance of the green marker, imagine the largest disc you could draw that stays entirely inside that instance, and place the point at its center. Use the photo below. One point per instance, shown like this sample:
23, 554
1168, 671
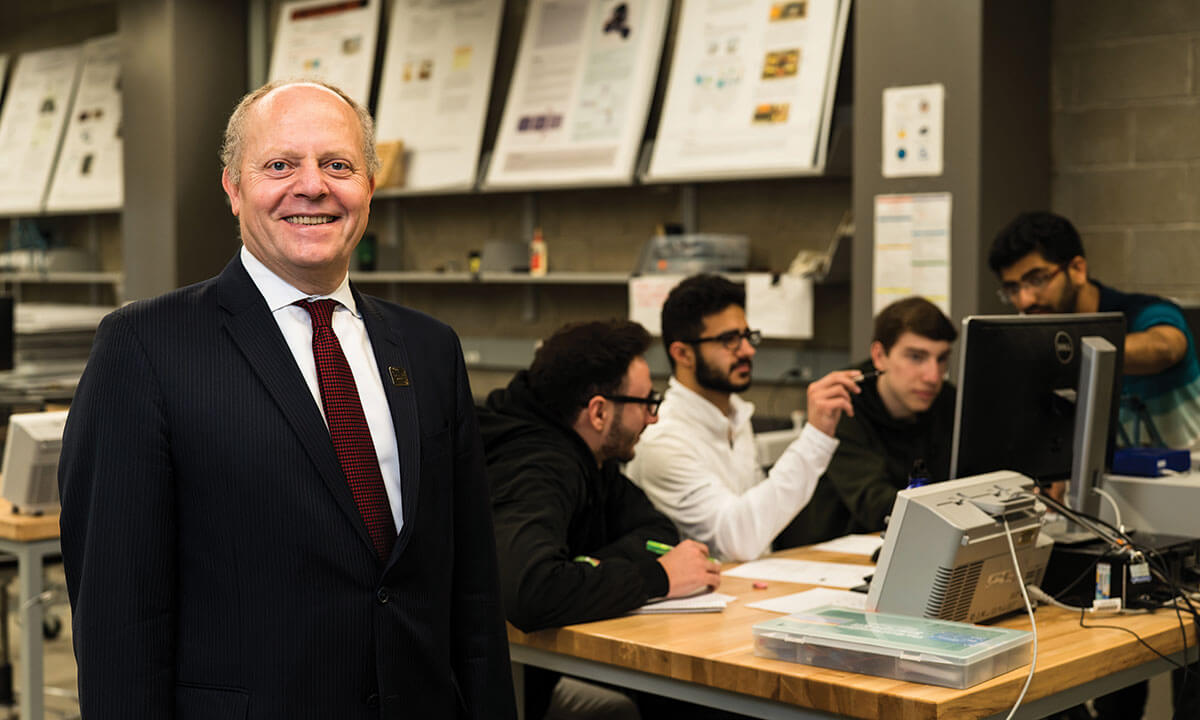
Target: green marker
659, 548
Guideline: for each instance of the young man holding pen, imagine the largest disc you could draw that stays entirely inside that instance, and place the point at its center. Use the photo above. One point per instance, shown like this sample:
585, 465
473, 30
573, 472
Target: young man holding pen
899, 433
571, 530
698, 464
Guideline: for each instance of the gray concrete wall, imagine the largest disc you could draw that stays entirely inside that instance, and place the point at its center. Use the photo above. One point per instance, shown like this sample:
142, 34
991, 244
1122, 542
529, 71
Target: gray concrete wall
1126, 139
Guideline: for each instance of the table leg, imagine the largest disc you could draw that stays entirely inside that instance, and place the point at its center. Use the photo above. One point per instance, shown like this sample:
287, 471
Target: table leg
29, 569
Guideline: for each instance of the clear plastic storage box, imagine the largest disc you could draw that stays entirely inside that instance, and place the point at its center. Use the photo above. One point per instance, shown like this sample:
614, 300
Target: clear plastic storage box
936, 652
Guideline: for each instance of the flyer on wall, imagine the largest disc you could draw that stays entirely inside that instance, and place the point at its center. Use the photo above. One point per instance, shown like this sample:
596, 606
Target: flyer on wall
576, 109
434, 90
89, 174
329, 40
750, 88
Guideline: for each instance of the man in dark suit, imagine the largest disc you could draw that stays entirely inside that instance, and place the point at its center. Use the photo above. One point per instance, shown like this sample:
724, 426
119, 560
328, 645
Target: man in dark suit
273, 495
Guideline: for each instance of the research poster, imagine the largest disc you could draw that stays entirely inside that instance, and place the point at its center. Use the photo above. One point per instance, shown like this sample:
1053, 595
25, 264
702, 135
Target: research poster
750, 90
31, 125
329, 40
912, 249
433, 94
576, 109
89, 175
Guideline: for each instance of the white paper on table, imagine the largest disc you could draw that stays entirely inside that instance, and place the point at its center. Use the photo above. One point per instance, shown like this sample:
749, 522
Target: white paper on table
781, 306
852, 544
809, 599
647, 293
841, 575
705, 602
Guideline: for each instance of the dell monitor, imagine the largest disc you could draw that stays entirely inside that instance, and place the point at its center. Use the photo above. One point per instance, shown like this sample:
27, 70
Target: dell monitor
1023, 380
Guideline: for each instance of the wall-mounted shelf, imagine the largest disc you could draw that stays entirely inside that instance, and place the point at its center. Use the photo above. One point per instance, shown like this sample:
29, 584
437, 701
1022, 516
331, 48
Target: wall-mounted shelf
62, 277
554, 278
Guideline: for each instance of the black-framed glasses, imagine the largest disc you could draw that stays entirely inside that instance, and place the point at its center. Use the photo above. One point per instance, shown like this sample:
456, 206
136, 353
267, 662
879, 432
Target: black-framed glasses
651, 401
1034, 281
731, 339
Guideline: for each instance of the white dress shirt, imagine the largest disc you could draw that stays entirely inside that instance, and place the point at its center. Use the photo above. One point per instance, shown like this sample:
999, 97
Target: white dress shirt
296, 325
700, 468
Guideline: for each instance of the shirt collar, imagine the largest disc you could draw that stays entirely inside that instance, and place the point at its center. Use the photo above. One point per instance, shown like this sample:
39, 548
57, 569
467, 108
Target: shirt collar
699, 409
279, 293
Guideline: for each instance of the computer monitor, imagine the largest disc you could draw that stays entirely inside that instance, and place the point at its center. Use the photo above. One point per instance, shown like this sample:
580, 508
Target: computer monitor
945, 554
31, 460
1019, 386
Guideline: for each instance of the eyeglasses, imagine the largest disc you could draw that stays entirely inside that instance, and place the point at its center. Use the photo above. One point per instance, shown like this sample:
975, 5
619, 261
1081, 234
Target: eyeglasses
1033, 281
732, 339
651, 401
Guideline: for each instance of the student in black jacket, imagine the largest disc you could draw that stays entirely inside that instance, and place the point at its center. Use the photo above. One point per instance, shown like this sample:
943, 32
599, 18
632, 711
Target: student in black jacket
903, 416
571, 529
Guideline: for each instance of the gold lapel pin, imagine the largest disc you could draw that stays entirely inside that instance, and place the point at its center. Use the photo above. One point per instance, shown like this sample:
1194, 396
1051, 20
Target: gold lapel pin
399, 376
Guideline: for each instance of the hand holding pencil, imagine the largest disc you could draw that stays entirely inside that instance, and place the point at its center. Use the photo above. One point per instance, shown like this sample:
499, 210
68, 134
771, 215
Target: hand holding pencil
688, 567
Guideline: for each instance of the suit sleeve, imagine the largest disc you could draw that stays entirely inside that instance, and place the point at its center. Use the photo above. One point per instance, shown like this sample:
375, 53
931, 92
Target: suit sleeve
118, 537
480, 654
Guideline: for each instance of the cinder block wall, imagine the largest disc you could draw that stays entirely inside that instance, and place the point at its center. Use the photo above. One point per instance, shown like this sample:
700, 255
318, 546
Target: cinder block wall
1126, 139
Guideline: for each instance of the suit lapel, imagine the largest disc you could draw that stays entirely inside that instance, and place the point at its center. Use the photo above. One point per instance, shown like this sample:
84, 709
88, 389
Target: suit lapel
255, 332
395, 370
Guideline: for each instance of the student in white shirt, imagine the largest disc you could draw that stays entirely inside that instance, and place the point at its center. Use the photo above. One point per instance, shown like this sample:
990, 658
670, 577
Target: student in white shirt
698, 463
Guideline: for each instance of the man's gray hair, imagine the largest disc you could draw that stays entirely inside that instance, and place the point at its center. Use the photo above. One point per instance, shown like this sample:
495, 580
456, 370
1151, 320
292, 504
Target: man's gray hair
235, 129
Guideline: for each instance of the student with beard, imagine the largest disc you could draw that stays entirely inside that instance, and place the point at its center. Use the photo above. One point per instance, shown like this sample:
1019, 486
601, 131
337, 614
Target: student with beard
1039, 261
571, 530
698, 463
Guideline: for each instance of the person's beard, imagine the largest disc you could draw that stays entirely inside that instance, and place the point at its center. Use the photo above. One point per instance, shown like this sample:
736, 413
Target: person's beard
710, 378
1065, 303
618, 443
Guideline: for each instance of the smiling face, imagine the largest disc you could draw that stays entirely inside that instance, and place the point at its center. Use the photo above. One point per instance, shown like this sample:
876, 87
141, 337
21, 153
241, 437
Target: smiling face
304, 194
629, 419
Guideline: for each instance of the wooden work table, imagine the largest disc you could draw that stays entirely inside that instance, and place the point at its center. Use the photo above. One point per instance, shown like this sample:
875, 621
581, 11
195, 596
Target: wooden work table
26, 528
709, 658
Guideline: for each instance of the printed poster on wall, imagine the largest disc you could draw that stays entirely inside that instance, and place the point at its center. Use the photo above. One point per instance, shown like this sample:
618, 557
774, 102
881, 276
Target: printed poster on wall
329, 40
433, 94
89, 171
31, 125
576, 109
912, 249
750, 92
913, 118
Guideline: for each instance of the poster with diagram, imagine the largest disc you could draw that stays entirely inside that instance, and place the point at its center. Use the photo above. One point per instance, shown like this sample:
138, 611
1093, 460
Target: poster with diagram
329, 40
89, 174
576, 109
433, 93
31, 125
750, 92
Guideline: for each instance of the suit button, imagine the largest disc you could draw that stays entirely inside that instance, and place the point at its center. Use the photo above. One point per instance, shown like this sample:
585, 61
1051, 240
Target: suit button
383, 598
372, 701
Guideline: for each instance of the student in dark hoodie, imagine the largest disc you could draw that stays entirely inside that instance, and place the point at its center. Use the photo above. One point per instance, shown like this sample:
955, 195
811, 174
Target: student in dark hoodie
571, 529
900, 430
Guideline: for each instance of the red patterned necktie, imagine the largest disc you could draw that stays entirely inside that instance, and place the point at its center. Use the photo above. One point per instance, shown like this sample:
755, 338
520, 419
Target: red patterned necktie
348, 428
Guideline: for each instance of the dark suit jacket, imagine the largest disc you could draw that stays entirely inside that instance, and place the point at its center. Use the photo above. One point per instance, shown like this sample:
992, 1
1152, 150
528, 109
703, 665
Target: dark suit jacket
216, 563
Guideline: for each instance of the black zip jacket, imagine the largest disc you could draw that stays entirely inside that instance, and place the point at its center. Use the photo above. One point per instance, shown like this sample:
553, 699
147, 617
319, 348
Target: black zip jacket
874, 458
553, 507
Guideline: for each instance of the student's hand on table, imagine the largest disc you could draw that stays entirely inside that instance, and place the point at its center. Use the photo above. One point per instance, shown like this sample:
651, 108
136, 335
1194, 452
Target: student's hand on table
829, 397
689, 569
